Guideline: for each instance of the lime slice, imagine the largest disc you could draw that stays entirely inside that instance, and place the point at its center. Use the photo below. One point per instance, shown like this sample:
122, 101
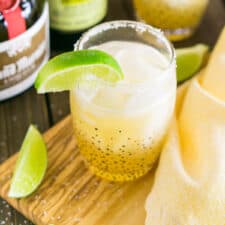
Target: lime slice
190, 60
66, 70
31, 165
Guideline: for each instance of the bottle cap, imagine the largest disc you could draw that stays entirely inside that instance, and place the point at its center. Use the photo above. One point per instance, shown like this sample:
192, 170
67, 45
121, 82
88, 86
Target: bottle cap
15, 21
6, 4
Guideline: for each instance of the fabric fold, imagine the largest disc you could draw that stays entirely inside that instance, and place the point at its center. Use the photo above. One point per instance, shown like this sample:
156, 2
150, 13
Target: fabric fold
189, 187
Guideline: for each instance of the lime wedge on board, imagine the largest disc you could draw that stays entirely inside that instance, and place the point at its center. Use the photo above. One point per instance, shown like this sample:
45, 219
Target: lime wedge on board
190, 60
65, 71
31, 165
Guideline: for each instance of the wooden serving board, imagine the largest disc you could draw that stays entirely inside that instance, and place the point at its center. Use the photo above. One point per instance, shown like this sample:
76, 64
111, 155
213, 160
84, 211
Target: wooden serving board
71, 195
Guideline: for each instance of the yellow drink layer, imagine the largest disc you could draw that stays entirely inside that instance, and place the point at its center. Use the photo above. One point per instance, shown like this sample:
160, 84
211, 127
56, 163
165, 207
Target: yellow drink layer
121, 127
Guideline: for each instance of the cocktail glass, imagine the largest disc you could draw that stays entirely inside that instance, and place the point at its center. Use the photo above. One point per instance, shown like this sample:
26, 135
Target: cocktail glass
120, 128
178, 19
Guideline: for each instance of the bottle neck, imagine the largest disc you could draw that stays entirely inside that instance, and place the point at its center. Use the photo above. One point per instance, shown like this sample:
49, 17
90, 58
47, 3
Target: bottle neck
16, 24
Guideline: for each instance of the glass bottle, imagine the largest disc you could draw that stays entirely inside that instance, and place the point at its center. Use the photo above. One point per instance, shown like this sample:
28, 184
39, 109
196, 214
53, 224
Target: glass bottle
24, 44
177, 18
76, 15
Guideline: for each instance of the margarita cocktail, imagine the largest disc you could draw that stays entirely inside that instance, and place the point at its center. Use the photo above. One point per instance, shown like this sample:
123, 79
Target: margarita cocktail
177, 18
120, 127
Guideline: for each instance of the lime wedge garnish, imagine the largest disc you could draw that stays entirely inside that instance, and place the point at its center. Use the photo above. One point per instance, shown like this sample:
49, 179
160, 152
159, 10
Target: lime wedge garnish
31, 165
66, 70
190, 60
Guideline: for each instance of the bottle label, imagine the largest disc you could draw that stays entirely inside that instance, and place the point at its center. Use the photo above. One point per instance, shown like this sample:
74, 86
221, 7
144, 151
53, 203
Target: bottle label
22, 56
76, 15
16, 24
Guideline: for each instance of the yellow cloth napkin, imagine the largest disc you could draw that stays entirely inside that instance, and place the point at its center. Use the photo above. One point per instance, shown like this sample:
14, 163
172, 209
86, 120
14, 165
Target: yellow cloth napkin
189, 187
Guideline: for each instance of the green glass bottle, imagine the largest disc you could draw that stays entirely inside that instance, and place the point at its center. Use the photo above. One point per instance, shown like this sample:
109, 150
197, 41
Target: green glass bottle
71, 16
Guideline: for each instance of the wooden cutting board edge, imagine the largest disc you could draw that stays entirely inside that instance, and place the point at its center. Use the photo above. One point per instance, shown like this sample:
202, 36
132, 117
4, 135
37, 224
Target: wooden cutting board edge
106, 203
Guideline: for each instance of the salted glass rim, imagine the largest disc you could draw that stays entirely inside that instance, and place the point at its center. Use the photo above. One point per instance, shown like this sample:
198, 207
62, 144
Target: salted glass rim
139, 27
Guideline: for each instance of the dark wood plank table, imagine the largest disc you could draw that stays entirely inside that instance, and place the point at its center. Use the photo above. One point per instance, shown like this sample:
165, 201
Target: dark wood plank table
45, 110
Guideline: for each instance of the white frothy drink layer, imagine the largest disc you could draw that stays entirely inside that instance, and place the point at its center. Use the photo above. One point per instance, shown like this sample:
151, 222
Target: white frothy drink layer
143, 68
139, 62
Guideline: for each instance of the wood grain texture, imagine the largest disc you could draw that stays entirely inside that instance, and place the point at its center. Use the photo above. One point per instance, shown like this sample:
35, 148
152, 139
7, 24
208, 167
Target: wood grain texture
71, 194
